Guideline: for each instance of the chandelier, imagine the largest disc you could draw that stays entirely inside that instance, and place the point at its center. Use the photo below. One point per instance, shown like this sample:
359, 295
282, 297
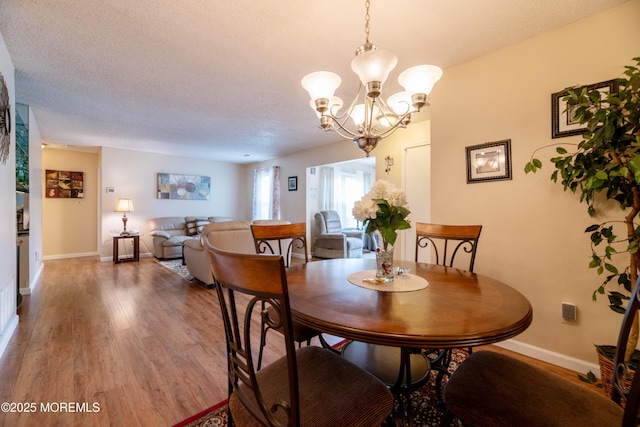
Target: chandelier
372, 117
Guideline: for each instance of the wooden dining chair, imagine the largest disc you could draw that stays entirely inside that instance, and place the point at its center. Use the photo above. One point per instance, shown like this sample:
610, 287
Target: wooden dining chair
492, 389
310, 386
282, 239
445, 243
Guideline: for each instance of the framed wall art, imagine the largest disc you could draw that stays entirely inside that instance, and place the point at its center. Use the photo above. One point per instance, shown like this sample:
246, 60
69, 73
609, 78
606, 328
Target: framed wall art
563, 122
183, 187
64, 184
489, 162
293, 183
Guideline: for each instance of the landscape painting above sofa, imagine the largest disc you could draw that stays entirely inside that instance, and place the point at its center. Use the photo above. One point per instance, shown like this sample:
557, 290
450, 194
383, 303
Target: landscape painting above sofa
184, 187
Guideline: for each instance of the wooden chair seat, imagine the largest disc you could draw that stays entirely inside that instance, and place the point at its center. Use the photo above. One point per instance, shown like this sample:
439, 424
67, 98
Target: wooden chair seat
491, 389
331, 389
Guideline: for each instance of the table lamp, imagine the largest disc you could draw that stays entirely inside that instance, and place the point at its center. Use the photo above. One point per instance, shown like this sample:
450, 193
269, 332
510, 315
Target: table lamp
124, 205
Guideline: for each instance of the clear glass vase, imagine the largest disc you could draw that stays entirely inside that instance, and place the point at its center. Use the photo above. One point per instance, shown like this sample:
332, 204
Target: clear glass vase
384, 265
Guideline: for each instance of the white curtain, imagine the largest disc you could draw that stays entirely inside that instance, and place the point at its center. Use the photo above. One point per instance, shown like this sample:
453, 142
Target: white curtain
367, 182
326, 189
275, 192
266, 193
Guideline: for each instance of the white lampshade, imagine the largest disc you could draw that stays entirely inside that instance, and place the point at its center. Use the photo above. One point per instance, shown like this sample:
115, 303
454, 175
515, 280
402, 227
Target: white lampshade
321, 84
420, 79
374, 65
358, 114
335, 104
401, 103
124, 205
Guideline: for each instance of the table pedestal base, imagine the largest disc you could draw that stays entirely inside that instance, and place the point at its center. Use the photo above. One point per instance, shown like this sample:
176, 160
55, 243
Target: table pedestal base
386, 363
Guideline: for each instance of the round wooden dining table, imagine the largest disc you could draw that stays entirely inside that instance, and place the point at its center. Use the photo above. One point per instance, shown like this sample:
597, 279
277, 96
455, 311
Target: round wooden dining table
456, 309
387, 328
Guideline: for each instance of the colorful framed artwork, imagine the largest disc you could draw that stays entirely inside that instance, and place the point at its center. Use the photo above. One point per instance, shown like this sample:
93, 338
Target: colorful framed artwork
64, 184
489, 162
563, 121
293, 183
183, 187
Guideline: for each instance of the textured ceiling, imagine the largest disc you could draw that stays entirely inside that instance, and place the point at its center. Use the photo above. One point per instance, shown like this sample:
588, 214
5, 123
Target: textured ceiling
221, 79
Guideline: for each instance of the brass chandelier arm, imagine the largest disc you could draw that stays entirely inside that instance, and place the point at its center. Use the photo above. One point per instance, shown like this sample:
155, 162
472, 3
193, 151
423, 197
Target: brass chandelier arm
374, 118
337, 123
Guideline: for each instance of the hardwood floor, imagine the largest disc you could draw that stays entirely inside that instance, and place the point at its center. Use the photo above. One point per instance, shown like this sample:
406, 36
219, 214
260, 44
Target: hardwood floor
135, 343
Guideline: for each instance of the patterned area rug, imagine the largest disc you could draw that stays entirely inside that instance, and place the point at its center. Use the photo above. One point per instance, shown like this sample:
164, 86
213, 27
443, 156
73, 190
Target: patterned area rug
427, 408
176, 266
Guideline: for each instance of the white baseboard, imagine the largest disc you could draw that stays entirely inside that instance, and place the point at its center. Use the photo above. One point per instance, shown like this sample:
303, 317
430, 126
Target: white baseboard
558, 359
34, 282
110, 258
11, 327
63, 256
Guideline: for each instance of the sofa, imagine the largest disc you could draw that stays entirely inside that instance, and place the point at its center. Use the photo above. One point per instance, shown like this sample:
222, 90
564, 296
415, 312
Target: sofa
170, 233
232, 236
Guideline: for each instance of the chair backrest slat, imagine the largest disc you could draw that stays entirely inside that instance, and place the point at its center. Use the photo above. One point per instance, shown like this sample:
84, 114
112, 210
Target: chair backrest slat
621, 392
281, 239
260, 280
447, 240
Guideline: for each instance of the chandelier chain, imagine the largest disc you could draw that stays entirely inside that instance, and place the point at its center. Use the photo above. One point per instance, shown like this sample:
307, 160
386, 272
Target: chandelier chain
366, 21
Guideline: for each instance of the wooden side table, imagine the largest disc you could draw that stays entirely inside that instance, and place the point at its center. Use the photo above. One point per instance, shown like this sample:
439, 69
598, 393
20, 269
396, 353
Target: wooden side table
136, 249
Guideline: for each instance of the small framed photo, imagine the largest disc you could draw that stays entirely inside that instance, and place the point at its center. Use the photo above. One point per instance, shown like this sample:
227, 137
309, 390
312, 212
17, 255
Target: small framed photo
563, 122
489, 162
293, 183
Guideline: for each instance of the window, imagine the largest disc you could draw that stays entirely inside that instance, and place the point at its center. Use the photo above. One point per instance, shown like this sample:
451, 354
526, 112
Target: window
349, 189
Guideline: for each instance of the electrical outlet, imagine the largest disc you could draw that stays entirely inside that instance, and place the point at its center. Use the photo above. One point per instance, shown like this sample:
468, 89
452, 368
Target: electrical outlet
569, 312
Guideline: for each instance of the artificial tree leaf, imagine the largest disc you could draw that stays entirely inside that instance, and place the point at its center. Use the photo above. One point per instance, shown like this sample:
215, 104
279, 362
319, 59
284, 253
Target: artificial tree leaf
634, 166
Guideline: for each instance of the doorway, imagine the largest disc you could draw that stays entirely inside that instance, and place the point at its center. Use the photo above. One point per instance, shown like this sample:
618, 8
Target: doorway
337, 186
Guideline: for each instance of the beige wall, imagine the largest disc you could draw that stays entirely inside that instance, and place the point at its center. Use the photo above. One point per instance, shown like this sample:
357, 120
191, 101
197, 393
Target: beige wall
70, 226
133, 175
533, 236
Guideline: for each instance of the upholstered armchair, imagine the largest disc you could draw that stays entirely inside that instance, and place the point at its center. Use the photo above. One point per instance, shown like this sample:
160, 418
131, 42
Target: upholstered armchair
331, 241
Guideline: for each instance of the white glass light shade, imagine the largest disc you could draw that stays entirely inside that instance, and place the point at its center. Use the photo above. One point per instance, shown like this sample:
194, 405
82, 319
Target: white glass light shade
335, 104
374, 65
420, 79
358, 114
124, 205
321, 84
401, 103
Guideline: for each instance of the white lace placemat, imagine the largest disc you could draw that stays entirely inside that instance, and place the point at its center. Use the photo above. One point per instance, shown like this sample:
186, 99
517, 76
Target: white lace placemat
402, 283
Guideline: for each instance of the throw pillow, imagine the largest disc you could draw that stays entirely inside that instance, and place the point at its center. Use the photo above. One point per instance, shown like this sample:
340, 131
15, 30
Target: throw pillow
196, 225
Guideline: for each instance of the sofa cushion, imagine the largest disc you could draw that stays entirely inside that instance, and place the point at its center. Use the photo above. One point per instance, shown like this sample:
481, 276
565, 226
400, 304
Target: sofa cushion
195, 225
220, 219
177, 240
171, 223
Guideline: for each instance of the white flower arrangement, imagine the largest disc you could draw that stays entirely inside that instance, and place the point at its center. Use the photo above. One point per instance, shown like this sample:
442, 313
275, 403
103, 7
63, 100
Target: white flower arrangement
384, 209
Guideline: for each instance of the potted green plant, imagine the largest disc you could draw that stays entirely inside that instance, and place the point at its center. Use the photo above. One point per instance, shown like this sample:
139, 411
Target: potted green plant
605, 166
